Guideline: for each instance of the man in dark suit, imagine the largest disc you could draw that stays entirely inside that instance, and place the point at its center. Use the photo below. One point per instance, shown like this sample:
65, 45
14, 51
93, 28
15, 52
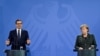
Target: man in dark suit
18, 37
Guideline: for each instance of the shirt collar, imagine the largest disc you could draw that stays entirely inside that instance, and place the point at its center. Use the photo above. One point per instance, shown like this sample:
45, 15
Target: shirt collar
18, 29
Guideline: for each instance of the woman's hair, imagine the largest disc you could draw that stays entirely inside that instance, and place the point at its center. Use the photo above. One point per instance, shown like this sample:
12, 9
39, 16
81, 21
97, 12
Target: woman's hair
84, 25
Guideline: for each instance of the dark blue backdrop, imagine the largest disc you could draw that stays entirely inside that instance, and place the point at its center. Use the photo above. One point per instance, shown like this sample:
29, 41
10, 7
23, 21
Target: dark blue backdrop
52, 24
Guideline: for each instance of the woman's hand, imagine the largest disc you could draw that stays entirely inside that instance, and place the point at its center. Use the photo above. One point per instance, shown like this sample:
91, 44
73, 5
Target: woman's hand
80, 48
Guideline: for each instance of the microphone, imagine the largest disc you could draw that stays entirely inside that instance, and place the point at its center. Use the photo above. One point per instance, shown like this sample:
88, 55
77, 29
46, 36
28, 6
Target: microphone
21, 47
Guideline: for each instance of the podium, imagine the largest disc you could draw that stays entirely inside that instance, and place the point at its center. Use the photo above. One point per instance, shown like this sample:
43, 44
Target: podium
15, 52
86, 52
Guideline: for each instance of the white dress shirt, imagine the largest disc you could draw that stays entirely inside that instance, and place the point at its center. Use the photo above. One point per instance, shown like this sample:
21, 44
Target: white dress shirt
20, 31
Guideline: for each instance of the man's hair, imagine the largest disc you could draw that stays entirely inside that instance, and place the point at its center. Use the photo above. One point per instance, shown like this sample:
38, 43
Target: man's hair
18, 20
84, 25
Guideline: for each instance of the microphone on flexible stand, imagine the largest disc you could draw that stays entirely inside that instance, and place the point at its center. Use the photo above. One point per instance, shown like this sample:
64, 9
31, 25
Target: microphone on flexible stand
21, 47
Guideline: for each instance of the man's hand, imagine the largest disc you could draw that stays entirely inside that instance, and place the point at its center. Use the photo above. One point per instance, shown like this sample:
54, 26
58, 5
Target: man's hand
80, 48
7, 42
28, 41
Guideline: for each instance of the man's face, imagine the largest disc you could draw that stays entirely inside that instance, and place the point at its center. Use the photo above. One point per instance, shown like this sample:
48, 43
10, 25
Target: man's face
84, 30
19, 24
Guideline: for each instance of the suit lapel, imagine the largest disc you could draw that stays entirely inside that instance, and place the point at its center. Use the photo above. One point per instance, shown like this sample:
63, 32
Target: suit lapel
15, 32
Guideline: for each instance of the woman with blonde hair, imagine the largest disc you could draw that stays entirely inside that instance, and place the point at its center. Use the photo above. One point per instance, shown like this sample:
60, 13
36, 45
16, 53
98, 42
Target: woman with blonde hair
85, 41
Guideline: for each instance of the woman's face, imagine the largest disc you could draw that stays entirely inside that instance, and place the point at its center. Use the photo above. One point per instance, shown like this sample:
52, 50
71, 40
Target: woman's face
84, 30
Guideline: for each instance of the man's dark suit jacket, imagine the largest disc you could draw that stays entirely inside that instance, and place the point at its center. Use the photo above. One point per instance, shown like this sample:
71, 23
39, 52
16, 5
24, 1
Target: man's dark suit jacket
85, 43
18, 42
